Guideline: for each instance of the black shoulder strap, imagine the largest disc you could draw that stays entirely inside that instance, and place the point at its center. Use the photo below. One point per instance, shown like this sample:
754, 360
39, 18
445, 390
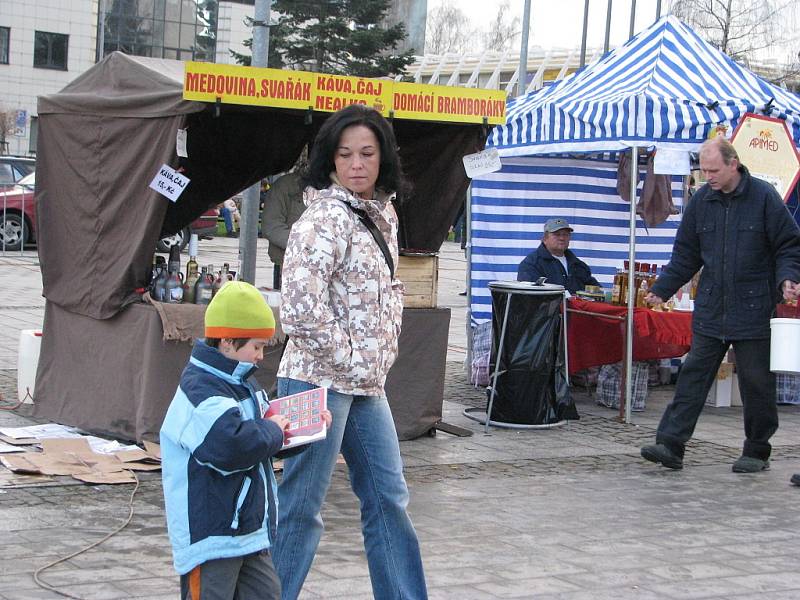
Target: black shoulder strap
373, 229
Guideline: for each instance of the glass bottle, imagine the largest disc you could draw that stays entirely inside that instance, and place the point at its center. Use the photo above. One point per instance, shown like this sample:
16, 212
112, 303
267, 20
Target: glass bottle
192, 274
173, 287
155, 271
641, 292
161, 284
623, 298
219, 281
174, 262
616, 287
202, 289
653, 275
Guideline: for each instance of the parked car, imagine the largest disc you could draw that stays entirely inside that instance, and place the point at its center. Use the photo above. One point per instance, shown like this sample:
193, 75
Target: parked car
14, 168
18, 210
205, 226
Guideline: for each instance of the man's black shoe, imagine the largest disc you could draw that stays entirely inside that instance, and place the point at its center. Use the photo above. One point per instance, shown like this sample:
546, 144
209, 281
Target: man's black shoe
663, 455
750, 464
795, 479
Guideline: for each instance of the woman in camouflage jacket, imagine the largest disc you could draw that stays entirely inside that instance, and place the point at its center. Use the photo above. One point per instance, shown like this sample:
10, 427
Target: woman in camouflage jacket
342, 310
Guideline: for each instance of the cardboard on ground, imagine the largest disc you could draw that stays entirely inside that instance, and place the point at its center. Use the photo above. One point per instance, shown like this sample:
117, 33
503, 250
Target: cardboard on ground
75, 457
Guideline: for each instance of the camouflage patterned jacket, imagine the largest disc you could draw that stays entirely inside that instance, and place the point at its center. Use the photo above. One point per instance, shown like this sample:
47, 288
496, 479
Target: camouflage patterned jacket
339, 306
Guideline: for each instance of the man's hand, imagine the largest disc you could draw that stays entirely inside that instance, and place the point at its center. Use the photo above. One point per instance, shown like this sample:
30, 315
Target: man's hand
651, 298
791, 290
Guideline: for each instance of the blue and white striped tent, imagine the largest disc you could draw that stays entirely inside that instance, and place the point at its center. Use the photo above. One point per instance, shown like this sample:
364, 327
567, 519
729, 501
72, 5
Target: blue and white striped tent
665, 88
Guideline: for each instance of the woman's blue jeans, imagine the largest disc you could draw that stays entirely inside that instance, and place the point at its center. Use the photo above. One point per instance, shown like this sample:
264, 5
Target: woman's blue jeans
364, 432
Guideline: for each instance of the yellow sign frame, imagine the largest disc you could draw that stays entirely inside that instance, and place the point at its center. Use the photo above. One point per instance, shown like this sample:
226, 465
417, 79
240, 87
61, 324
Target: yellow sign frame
304, 90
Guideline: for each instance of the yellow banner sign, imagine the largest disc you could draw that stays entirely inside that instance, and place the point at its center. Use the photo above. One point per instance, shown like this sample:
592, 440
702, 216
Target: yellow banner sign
332, 92
233, 84
247, 85
446, 103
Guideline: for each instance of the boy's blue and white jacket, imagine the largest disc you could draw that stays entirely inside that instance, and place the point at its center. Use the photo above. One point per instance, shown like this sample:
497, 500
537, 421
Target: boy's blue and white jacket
219, 488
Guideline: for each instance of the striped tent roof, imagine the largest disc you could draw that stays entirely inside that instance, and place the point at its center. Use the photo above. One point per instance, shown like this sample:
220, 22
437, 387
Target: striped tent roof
665, 87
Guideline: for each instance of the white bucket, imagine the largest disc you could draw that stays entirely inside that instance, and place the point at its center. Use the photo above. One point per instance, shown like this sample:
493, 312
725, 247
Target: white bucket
30, 340
784, 355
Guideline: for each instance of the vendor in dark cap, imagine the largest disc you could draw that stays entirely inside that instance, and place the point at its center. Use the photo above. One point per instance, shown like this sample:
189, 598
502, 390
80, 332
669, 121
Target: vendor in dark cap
555, 261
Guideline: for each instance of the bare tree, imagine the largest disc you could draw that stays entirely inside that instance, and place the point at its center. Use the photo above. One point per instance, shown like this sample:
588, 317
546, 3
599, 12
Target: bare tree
503, 30
7, 124
448, 30
742, 29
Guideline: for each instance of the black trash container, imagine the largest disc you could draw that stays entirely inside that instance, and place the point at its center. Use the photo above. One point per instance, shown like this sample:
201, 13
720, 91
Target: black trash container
531, 385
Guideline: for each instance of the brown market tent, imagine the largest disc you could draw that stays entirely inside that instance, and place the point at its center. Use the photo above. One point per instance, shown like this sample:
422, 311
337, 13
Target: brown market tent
101, 141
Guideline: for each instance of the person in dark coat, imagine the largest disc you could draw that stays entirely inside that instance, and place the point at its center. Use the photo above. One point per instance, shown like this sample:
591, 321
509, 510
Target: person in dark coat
554, 260
737, 229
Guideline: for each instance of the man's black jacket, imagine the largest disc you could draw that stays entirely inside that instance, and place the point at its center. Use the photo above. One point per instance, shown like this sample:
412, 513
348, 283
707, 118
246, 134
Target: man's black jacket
540, 263
747, 244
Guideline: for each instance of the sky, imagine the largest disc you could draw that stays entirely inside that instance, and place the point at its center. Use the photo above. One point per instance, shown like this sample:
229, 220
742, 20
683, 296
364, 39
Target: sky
559, 23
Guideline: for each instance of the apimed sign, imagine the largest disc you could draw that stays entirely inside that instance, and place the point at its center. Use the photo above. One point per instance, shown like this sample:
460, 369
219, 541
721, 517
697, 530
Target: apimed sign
767, 149
234, 84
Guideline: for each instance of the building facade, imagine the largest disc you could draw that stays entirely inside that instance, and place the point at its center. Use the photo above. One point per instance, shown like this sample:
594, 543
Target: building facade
45, 44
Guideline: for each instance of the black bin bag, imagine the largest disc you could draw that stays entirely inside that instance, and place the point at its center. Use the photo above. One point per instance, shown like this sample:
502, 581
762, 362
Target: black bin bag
531, 386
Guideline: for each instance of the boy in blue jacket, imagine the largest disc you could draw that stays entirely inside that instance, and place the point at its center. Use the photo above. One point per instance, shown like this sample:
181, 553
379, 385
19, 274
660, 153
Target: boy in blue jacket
219, 487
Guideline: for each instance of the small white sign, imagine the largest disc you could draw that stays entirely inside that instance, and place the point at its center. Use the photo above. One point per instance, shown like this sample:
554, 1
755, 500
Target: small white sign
180, 143
169, 183
481, 163
669, 161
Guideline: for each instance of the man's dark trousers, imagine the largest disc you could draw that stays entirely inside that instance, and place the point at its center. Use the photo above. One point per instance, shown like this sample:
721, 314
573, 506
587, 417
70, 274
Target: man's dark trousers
756, 383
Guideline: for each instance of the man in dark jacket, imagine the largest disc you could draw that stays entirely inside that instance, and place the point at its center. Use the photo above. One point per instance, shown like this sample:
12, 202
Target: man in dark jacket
737, 229
283, 205
555, 261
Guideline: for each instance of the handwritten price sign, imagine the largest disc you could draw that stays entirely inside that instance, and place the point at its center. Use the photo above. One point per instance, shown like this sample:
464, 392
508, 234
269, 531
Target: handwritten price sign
481, 163
169, 183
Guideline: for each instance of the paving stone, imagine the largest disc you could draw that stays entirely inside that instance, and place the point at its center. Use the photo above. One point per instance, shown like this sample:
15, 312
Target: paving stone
569, 513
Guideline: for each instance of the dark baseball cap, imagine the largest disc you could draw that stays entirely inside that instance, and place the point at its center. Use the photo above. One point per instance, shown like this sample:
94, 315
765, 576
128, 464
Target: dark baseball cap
556, 225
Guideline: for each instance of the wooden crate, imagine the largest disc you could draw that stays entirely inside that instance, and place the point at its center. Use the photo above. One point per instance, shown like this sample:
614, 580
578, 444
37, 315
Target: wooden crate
420, 274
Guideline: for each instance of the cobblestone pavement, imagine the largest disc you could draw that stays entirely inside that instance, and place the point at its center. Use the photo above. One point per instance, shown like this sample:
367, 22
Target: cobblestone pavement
571, 512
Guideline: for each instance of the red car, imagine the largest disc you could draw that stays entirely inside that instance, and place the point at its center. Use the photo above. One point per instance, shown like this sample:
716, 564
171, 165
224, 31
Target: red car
17, 214
18, 220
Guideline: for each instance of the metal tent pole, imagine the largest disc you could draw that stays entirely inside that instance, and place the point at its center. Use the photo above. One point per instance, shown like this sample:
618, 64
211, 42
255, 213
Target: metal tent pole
497, 363
564, 325
248, 231
631, 286
523, 49
468, 282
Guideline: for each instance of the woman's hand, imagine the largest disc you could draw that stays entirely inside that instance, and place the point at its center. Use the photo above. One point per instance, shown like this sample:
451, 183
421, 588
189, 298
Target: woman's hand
327, 417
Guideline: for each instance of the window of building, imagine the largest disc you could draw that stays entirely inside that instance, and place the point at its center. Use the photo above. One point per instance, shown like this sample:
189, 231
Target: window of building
183, 29
50, 50
5, 35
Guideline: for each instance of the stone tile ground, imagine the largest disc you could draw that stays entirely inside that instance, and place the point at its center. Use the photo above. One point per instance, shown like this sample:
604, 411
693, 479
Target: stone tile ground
566, 513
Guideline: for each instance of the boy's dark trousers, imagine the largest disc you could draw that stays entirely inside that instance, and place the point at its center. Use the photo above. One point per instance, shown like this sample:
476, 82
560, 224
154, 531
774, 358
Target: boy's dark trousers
250, 577
756, 383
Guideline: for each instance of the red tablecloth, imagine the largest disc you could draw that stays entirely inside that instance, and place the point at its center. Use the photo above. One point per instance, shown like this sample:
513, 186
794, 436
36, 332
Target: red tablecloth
594, 340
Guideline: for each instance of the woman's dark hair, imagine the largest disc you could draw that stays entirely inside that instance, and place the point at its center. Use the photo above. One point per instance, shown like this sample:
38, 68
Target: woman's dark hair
321, 162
